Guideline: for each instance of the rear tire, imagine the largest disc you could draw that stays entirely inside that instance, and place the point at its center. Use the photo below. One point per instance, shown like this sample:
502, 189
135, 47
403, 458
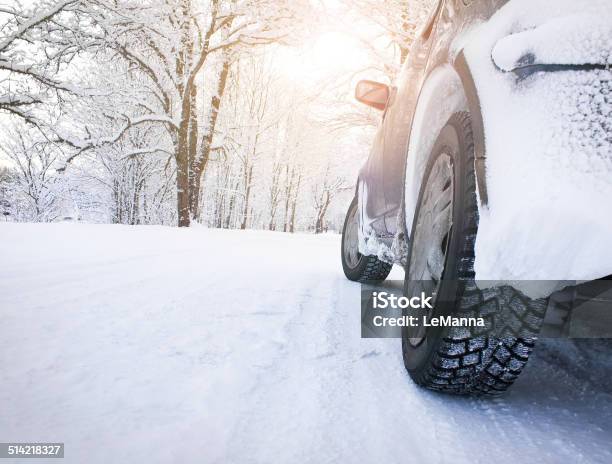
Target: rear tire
462, 360
357, 267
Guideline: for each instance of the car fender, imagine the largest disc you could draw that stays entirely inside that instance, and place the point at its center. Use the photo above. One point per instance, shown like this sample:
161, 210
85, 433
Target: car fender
443, 94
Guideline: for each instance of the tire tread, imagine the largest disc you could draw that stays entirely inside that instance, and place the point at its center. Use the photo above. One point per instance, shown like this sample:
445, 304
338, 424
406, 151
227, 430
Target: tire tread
472, 360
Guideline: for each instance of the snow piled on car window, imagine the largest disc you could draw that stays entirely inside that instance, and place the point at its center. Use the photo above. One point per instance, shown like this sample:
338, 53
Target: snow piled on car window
549, 145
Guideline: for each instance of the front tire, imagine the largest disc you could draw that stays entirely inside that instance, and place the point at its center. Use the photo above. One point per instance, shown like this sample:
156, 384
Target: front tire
461, 360
357, 267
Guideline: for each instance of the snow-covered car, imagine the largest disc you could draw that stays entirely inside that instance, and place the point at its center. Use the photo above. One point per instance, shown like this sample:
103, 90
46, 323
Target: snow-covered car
493, 168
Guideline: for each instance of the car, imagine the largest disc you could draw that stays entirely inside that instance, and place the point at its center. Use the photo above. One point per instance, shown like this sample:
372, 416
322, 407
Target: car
489, 179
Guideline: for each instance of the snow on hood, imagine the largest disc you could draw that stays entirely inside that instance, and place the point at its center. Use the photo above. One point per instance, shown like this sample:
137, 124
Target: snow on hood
549, 144
569, 40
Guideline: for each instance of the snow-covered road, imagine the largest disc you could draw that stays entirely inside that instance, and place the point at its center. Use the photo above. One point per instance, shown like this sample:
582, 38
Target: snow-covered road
146, 345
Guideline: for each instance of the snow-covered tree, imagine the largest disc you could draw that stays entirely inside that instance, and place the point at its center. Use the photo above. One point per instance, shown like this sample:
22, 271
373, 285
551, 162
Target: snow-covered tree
173, 111
182, 50
33, 50
393, 25
36, 193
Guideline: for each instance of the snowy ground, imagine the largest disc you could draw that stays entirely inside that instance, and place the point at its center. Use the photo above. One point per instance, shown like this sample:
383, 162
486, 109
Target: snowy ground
145, 345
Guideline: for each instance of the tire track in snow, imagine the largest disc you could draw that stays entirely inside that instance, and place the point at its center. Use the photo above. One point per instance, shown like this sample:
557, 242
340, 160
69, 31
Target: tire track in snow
278, 403
332, 395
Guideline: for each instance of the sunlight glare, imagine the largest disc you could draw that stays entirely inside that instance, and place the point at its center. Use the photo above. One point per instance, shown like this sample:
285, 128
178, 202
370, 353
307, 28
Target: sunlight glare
330, 55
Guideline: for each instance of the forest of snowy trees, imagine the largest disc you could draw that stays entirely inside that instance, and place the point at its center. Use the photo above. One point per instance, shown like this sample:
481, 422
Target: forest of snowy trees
227, 113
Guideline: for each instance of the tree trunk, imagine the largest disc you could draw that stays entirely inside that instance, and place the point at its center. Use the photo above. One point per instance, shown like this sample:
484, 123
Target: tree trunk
288, 191
247, 195
320, 224
292, 223
182, 171
194, 178
274, 195
201, 160
294, 204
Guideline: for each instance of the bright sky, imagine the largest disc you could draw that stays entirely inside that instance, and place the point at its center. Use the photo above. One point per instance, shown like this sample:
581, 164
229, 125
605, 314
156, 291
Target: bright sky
329, 54
332, 55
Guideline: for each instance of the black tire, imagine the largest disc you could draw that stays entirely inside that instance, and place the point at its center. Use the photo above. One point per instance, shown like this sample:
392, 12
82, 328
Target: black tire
363, 268
468, 360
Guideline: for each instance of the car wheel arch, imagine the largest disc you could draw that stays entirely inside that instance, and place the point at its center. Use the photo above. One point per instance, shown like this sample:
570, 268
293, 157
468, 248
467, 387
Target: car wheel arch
447, 89
475, 109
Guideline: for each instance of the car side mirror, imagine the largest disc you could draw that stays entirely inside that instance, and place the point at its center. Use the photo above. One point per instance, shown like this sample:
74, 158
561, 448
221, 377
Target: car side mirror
373, 94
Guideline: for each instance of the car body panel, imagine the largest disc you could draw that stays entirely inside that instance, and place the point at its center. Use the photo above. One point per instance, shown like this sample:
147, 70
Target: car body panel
381, 179
457, 50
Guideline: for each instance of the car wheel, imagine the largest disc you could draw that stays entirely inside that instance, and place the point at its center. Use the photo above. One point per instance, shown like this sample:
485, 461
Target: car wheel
357, 267
461, 360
